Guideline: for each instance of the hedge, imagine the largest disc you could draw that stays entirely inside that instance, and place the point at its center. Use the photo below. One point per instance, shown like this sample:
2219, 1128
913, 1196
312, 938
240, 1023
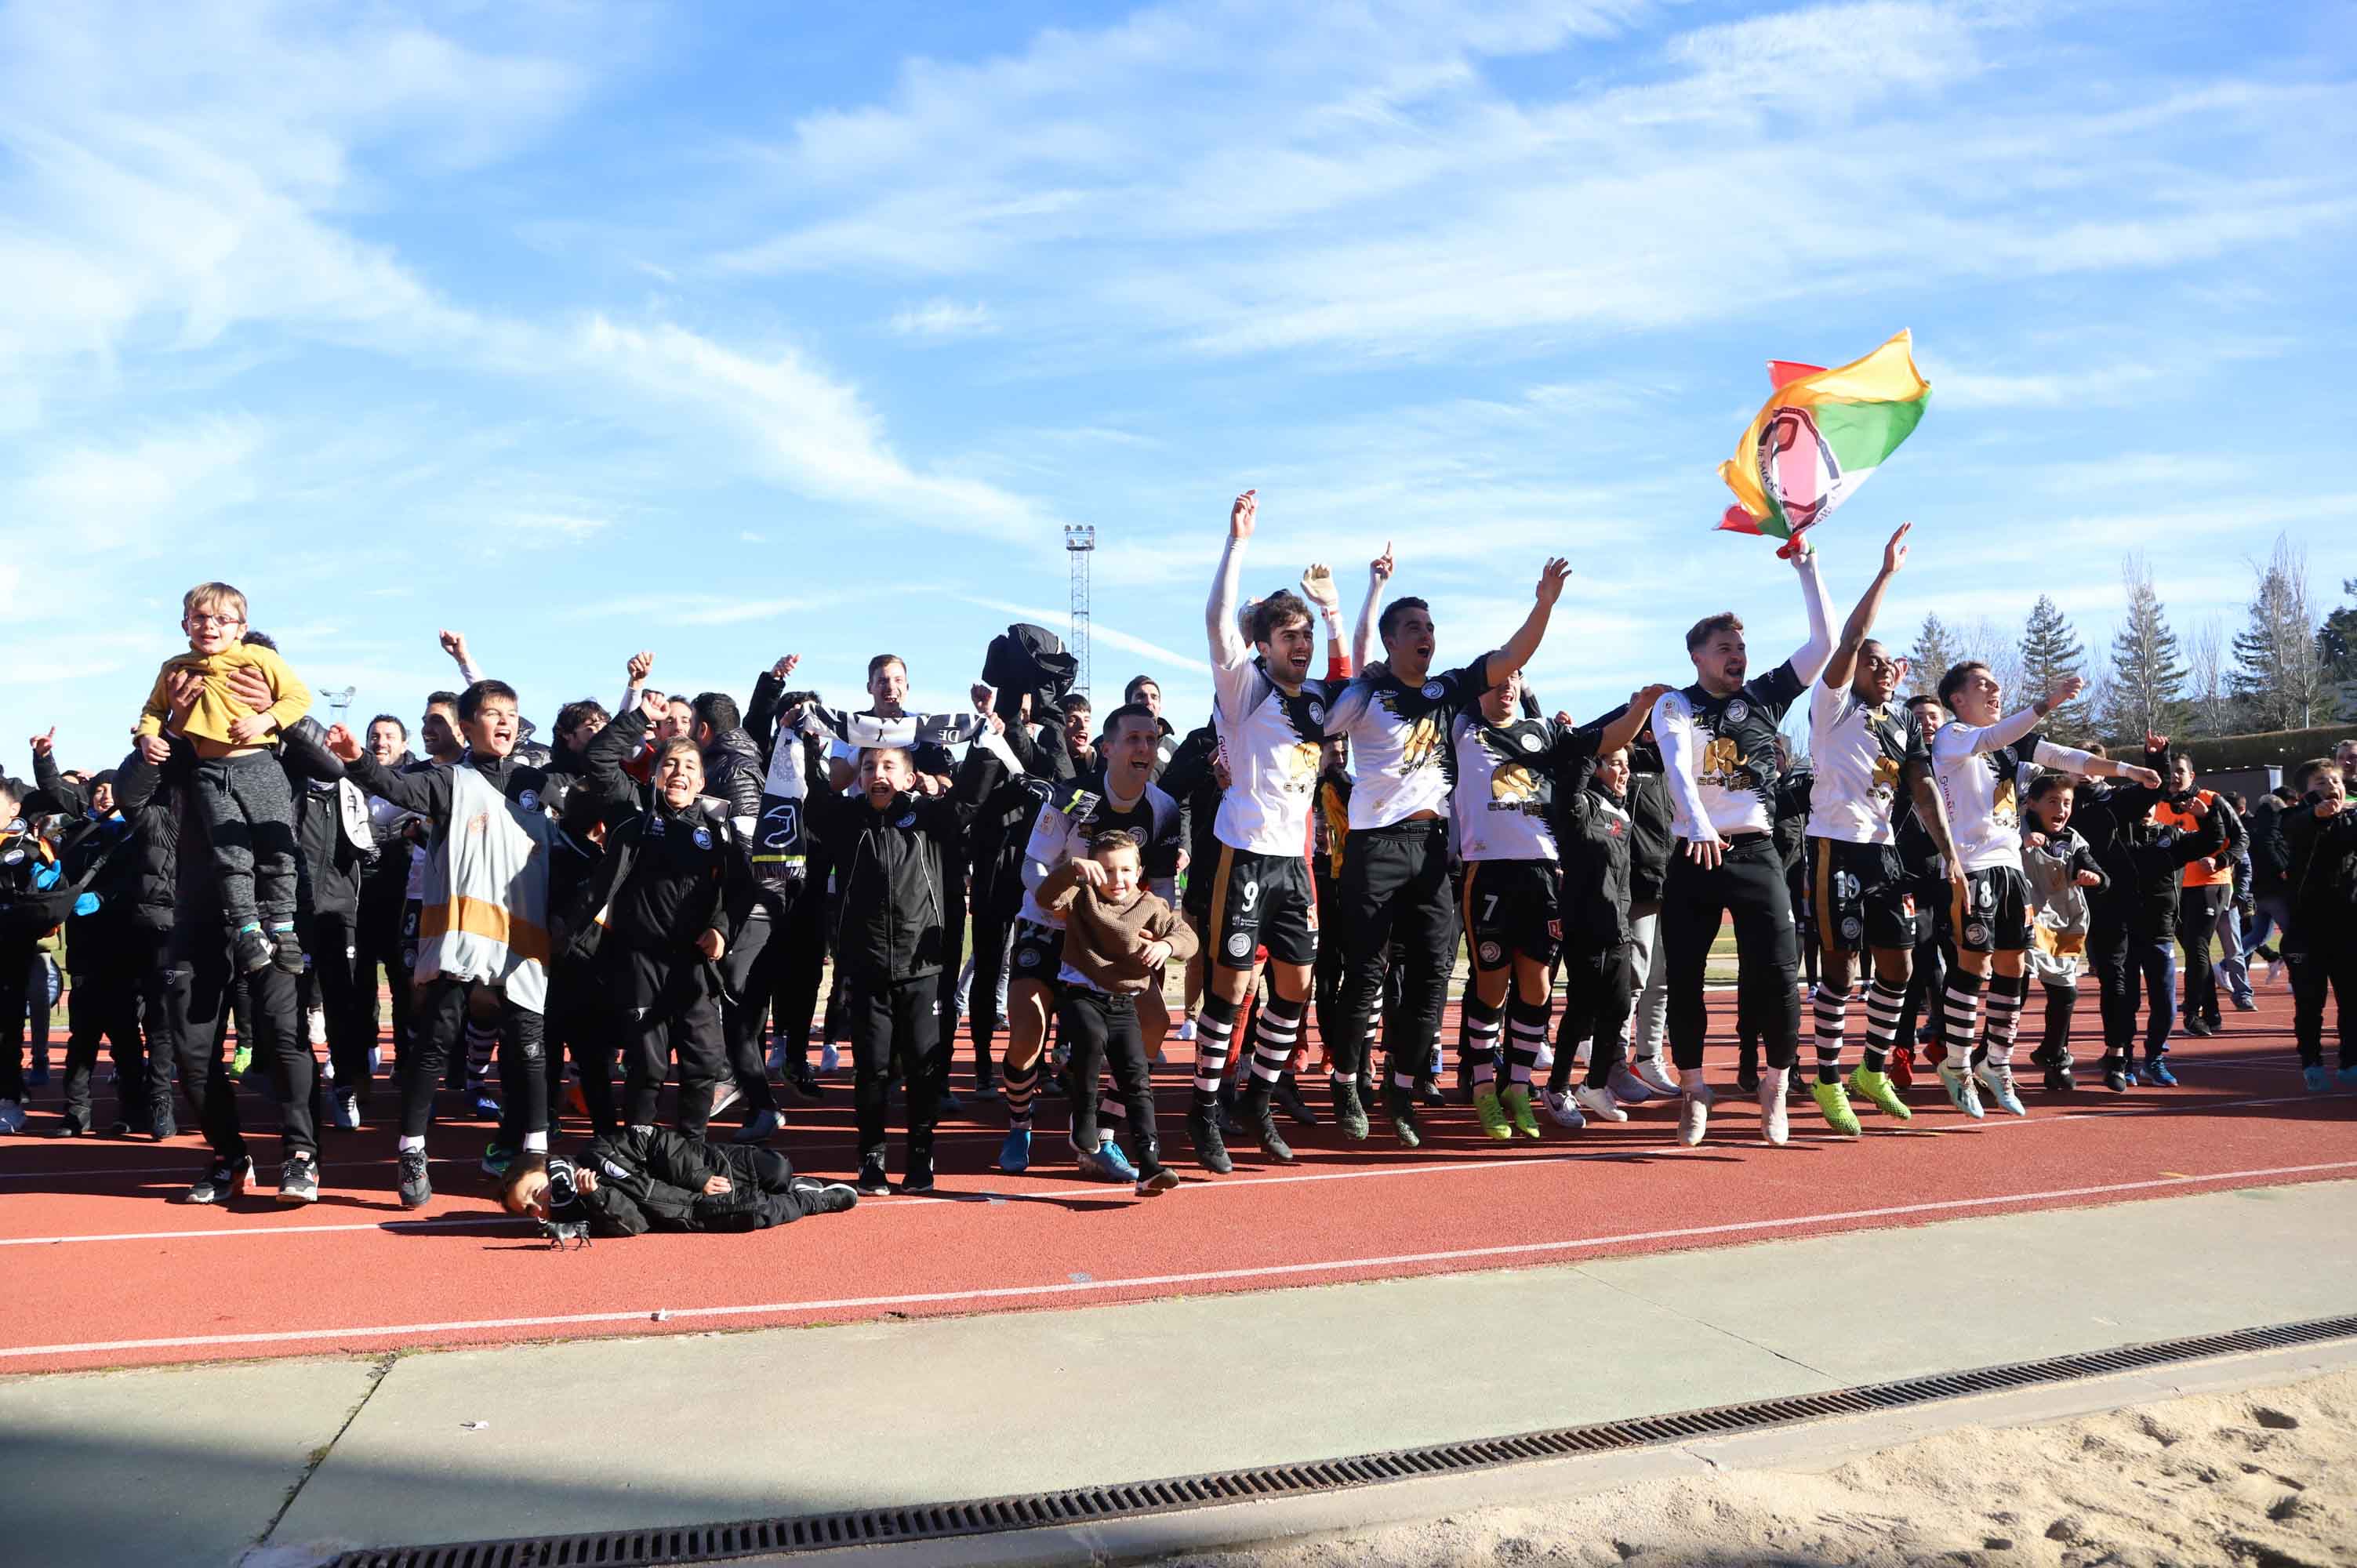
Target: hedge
2284, 747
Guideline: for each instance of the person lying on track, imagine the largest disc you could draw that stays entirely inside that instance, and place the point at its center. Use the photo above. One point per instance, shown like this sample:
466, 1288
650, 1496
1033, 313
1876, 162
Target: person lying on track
651, 1178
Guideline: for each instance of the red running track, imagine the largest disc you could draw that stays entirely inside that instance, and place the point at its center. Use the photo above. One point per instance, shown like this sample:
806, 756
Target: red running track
104, 1271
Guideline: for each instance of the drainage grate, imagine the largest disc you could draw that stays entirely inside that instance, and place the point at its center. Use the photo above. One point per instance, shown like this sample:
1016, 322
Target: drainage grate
812, 1532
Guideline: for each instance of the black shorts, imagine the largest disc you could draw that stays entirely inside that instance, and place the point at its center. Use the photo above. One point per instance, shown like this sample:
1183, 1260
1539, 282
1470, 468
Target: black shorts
1992, 913
1513, 907
1860, 897
1036, 953
1261, 901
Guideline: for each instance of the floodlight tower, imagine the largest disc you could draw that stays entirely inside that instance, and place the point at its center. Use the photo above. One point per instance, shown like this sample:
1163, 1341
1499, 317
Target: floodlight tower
1080, 544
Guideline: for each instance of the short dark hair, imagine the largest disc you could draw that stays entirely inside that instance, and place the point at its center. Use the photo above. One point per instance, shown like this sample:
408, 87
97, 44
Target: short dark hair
471, 700
719, 710
1127, 711
881, 659
1274, 613
2242, 802
1704, 629
2047, 783
389, 719
1921, 697
1077, 703
2179, 754
1393, 611
1129, 692
1953, 681
678, 743
441, 700
573, 714
2309, 769
261, 639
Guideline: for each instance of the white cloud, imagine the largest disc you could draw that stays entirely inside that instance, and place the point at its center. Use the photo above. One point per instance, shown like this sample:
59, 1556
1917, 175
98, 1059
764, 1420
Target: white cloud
945, 318
1110, 636
130, 496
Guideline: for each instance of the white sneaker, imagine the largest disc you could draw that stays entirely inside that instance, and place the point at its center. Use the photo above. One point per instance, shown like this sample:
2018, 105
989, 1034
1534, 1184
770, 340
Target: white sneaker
829, 1058
1561, 1110
12, 1116
1628, 1089
1186, 1029
1997, 1079
1959, 1085
1774, 1127
315, 1025
1546, 1059
1600, 1103
724, 1096
1694, 1115
1653, 1076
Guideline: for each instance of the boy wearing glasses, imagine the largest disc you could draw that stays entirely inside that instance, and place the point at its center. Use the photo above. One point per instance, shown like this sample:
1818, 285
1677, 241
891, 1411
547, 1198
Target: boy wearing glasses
238, 785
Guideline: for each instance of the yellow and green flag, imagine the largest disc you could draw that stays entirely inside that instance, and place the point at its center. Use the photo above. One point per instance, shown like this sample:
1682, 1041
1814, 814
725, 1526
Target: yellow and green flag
1820, 435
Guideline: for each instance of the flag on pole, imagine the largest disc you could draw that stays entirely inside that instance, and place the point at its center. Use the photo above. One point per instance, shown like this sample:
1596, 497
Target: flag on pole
1820, 435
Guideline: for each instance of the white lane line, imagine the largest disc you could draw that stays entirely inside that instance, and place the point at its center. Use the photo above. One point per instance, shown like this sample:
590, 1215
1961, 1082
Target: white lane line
1153, 1282
1110, 1190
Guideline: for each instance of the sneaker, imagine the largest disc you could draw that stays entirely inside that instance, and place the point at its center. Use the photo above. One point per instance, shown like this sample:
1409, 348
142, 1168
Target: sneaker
1747, 1076
946, 1104
1961, 1092
920, 1173
1997, 1079
2246, 1004
1628, 1088
1833, 1100
2313, 1075
2347, 1076
760, 1127
416, 1190
873, 1182
1253, 1110
298, 1178
2116, 1076
1402, 1107
241, 1061
1655, 1077
804, 1083
1693, 1114
497, 1158
73, 1127
1109, 1150
1287, 1097
286, 952
222, 1182
254, 951
1902, 1072
1349, 1111
1490, 1113
1881, 1089
2201, 1027
1774, 1127
1428, 1090
1015, 1154
724, 1095
1562, 1109
1546, 1059
1186, 1029
346, 1116
12, 1116
1211, 1149
161, 1125
1516, 1099
824, 1196
2060, 1078
1095, 1166
483, 1103
2156, 1070
1601, 1103
1161, 1179
829, 1058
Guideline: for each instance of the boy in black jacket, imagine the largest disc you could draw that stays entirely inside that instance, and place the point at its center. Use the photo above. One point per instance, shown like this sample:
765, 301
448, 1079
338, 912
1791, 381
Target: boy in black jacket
890, 846
647, 1178
2320, 940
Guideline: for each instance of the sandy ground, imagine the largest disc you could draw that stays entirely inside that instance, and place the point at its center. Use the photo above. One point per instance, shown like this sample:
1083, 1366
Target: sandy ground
2266, 1477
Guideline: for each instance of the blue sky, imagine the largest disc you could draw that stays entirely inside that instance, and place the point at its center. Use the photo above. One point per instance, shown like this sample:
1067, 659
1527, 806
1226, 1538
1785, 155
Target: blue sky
731, 330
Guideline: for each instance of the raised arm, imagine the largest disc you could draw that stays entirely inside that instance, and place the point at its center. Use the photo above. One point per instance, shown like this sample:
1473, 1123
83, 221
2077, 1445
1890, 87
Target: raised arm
1808, 661
642, 664
64, 794
426, 792
1961, 737
1843, 666
1362, 637
1623, 731
1318, 587
603, 759
1220, 616
1523, 645
454, 643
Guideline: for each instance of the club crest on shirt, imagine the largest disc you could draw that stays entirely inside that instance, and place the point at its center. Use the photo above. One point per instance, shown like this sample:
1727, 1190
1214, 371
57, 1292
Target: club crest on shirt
528, 799
1737, 711
1317, 713
1432, 690
909, 821
1531, 742
702, 838
1491, 952
1239, 944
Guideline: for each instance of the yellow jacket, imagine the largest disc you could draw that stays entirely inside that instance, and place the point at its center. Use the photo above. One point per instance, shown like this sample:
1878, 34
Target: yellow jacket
215, 708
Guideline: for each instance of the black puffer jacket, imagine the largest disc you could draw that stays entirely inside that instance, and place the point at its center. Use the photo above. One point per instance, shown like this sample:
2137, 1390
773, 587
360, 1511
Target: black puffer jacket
139, 882
2322, 878
890, 869
1654, 840
733, 772
651, 1178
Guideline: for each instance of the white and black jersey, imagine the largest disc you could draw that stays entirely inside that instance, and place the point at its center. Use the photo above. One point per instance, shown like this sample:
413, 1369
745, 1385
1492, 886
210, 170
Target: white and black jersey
1860, 753
1506, 786
1720, 752
1982, 774
1400, 763
1270, 742
1080, 812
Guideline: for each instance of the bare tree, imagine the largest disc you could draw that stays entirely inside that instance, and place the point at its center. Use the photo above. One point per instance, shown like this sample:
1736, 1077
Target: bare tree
2276, 671
2205, 663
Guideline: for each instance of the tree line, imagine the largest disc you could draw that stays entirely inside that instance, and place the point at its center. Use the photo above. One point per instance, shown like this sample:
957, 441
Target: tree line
2285, 669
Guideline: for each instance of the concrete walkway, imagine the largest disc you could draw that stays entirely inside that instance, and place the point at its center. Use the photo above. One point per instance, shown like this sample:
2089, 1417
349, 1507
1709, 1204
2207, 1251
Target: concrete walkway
198, 1465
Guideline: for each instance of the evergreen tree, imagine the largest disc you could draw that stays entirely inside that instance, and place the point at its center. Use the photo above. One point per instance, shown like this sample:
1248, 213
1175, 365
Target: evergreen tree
2050, 651
1929, 659
2277, 676
2148, 666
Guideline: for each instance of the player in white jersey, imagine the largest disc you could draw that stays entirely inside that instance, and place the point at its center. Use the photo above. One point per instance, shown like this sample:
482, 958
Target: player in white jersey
1983, 764
1270, 718
1866, 749
1394, 893
1512, 774
1718, 756
1118, 797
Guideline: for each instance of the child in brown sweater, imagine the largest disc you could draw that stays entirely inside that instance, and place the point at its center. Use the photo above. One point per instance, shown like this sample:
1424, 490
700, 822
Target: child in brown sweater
1117, 936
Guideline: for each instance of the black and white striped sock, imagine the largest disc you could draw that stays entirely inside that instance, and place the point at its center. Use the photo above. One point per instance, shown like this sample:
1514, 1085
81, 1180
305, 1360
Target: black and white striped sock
1526, 1034
1962, 1014
1884, 1003
1279, 1033
1831, 1018
1479, 1044
1215, 1032
2006, 994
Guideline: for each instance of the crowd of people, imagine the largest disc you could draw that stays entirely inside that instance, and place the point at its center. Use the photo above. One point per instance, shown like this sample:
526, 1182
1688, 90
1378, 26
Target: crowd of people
700, 893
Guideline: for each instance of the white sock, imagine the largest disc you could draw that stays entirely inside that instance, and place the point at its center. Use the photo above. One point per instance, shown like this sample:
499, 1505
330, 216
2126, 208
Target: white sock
409, 1142
536, 1143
